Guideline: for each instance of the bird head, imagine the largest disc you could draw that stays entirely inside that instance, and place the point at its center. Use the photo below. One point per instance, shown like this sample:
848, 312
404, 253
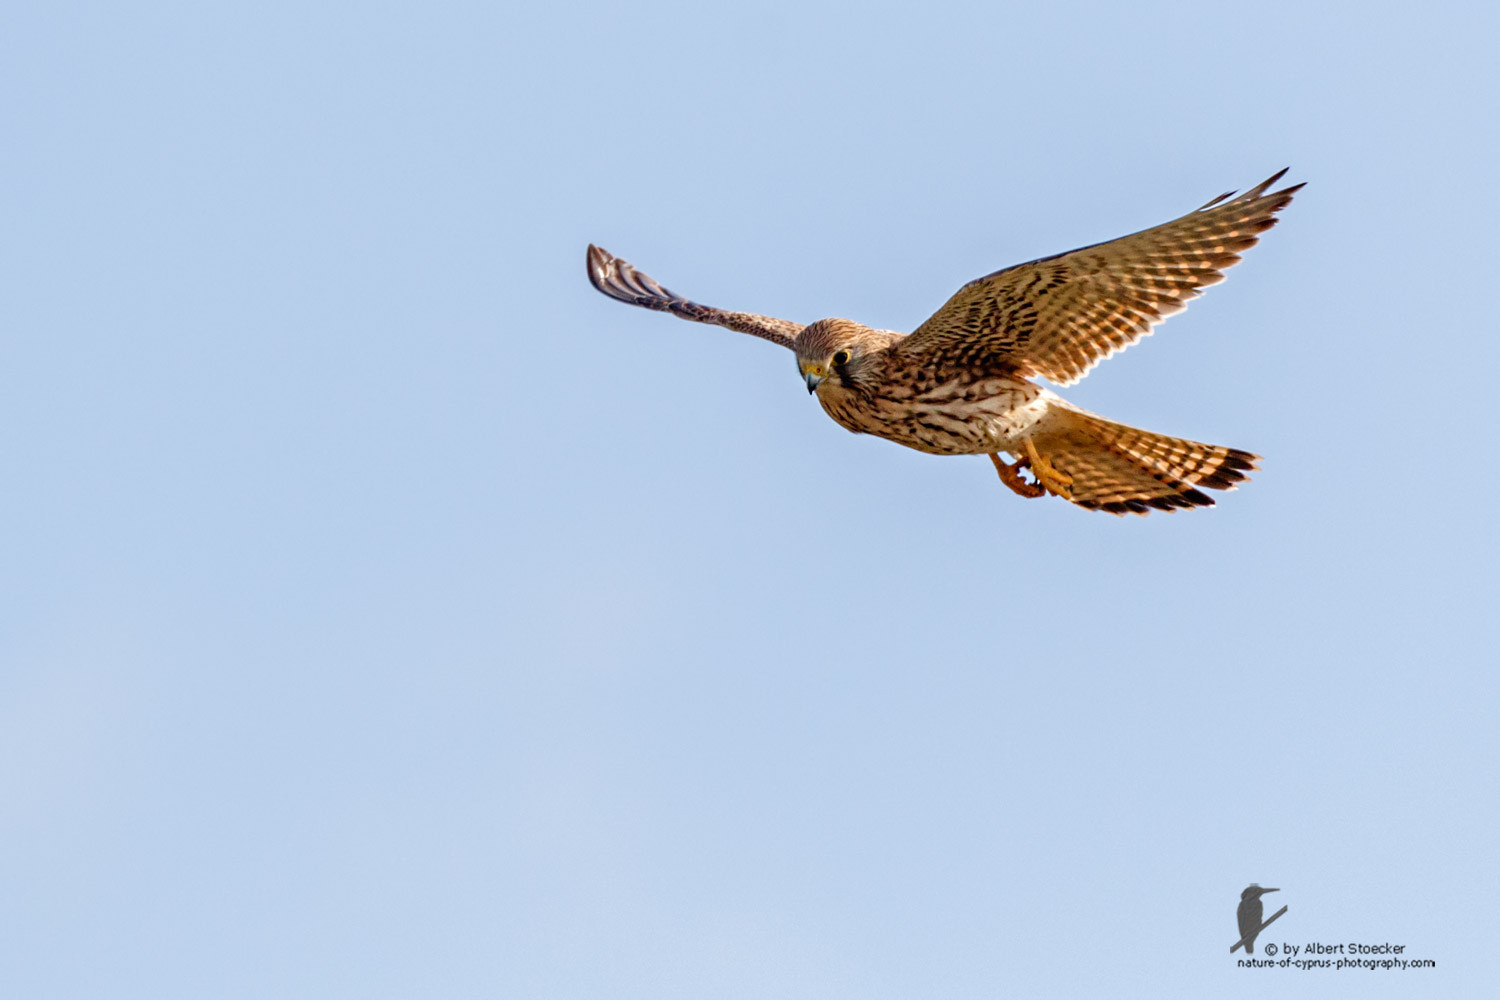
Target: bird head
838, 353
1253, 891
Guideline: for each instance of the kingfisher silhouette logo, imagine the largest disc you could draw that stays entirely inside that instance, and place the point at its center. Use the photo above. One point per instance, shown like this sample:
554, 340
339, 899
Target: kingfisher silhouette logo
1309, 953
1249, 914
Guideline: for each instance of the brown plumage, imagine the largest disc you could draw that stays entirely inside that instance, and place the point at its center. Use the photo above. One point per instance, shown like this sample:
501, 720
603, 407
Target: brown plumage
960, 384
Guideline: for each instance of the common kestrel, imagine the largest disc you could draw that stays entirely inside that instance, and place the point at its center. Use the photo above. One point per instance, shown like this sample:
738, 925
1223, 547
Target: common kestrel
961, 383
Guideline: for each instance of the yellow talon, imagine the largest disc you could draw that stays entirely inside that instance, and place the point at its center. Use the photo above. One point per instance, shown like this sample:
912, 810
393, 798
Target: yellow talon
1010, 475
1050, 476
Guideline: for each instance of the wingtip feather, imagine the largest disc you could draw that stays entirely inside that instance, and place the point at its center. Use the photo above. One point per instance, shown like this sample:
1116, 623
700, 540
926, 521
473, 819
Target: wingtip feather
600, 264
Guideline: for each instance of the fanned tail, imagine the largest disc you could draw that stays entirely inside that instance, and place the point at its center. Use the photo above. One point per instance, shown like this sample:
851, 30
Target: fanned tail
1125, 470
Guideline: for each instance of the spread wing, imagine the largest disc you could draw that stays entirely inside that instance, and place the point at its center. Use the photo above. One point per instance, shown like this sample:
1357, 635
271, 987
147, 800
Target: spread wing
1059, 316
617, 279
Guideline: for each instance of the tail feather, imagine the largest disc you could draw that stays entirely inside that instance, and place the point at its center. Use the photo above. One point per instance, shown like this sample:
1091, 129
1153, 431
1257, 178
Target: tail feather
1125, 470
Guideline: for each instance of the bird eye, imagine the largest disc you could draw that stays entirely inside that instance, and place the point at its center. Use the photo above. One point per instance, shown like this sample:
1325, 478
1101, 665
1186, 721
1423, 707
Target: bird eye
842, 357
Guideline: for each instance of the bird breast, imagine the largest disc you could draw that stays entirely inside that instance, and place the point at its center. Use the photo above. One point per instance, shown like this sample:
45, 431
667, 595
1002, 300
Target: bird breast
960, 417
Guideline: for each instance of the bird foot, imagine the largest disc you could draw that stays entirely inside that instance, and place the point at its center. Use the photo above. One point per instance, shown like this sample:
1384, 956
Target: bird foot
1010, 475
1052, 479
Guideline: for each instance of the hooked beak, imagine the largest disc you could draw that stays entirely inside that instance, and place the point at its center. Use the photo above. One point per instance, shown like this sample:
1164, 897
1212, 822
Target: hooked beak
813, 381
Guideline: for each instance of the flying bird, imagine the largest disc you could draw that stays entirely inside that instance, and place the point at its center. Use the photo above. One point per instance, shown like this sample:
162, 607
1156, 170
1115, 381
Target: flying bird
962, 383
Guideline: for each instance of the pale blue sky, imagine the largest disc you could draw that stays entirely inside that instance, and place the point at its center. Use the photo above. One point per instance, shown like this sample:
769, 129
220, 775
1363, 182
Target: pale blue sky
384, 613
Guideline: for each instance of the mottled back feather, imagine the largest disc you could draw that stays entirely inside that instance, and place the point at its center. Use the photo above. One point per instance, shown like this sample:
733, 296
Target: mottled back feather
1059, 316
